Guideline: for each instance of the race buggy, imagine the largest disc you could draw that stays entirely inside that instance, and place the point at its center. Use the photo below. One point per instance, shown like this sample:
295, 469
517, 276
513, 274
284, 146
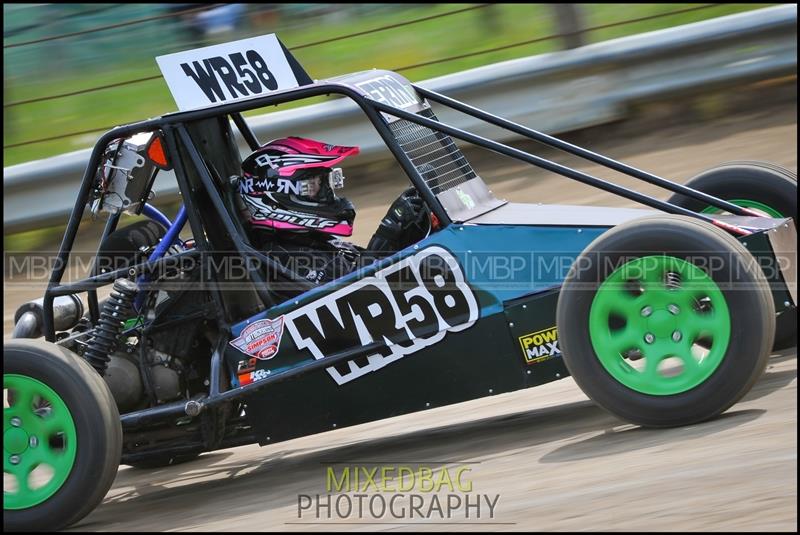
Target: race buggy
664, 316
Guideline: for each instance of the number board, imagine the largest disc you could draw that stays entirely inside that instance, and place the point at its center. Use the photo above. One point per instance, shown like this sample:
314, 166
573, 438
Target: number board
228, 72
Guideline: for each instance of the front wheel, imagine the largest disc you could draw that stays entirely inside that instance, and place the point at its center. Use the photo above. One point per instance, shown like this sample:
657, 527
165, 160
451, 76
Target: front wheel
62, 437
663, 321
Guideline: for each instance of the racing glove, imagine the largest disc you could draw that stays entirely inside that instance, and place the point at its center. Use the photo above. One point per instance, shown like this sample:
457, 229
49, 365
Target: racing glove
405, 223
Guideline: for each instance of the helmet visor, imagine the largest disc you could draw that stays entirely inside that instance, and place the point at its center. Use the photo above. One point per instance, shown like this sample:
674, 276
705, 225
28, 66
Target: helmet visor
320, 187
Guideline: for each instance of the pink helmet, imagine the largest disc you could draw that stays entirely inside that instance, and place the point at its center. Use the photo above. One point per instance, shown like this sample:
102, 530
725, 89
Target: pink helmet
289, 184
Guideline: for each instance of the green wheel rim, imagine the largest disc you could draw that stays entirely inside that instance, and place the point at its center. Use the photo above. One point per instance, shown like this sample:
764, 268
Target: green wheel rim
747, 203
659, 325
39, 442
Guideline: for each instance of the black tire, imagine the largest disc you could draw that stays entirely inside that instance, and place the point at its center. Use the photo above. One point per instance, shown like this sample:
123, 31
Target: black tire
98, 438
750, 305
160, 461
765, 183
127, 246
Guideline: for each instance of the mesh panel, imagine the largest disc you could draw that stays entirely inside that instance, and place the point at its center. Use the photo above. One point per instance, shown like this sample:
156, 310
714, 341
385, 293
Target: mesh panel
434, 154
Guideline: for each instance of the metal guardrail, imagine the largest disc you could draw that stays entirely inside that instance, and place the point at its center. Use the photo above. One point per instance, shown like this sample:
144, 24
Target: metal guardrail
553, 93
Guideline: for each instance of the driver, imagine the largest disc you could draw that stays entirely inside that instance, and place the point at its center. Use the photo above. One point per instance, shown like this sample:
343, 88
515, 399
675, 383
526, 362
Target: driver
289, 188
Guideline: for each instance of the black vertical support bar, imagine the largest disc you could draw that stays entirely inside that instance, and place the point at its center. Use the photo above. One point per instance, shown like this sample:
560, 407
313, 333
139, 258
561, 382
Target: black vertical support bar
216, 364
247, 132
48, 324
186, 192
192, 213
94, 306
219, 205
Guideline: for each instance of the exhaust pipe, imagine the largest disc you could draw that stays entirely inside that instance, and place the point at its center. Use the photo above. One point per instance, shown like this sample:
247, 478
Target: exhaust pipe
27, 326
67, 311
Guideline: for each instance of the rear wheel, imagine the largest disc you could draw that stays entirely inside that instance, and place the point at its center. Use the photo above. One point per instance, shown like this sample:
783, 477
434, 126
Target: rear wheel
62, 437
653, 330
767, 189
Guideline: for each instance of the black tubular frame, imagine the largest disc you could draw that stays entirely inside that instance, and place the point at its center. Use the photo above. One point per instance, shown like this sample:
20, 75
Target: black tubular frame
543, 163
581, 152
176, 134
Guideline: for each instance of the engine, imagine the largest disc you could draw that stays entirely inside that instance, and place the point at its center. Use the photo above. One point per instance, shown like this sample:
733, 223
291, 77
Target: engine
166, 374
165, 353
153, 351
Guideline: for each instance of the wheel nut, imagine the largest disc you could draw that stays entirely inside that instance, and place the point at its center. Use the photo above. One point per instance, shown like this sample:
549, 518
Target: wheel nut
33, 442
14, 459
16, 422
673, 309
676, 336
646, 311
649, 338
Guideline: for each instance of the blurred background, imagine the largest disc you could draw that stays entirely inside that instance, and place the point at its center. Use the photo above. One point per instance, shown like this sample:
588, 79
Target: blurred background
71, 71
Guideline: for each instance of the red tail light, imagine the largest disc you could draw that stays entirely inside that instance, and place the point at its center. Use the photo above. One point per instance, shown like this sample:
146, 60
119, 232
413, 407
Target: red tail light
156, 154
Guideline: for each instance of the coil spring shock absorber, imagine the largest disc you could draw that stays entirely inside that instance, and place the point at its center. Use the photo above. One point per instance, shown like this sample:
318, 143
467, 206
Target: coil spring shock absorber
672, 280
116, 309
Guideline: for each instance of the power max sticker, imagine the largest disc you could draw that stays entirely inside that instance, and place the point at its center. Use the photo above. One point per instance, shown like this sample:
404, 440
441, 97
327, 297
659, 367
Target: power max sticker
540, 345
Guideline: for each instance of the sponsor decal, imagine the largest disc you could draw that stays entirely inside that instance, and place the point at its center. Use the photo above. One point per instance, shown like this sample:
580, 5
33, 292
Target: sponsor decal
408, 306
244, 370
540, 345
227, 72
465, 198
389, 90
261, 339
278, 185
247, 373
261, 211
252, 377
265, 160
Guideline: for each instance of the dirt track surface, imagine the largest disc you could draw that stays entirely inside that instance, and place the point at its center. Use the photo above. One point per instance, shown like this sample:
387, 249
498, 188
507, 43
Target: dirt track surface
556, 461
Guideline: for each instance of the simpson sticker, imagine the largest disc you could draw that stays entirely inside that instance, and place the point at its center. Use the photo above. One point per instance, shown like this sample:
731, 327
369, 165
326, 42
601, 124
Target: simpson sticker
540, 345
409, 305
228, 72
261, 339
